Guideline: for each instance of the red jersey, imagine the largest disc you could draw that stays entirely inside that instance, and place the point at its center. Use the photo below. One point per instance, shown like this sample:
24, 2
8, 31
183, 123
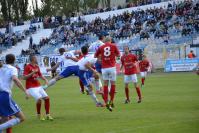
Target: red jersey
128, 61
108, 53
33, 80
144, 64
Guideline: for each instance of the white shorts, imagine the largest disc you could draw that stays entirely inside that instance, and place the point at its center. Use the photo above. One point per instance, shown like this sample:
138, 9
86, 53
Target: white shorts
130, 78
37, 92
143, 74
109, 74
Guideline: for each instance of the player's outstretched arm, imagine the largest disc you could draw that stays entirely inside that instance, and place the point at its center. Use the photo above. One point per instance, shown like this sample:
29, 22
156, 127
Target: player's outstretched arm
72, 58
20, 85
45, 79
89, 67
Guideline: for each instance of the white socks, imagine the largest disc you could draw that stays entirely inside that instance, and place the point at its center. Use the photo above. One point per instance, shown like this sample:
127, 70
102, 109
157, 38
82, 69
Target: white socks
93, 96
51, 82
97, 83
9, 124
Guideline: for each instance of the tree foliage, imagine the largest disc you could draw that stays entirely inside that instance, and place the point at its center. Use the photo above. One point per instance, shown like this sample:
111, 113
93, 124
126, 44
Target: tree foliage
18, 9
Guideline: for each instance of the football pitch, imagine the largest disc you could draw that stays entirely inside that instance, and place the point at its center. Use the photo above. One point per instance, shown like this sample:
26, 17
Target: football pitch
170, 105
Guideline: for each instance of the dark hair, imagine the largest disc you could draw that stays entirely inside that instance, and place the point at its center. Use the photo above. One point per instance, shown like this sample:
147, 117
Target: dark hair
31, 56
61, 50
10, 59
84, 50
101, 37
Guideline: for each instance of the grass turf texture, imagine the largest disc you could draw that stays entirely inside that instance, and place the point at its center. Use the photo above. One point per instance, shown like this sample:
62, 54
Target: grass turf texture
170, 105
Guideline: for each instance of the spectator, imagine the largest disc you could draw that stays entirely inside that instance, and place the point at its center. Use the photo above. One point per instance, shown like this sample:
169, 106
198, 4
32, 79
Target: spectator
191, 55
31, 42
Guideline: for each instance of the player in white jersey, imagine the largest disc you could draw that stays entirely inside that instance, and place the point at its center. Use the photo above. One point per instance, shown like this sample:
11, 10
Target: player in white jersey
8, 108
70, 66
85, 68
94, 46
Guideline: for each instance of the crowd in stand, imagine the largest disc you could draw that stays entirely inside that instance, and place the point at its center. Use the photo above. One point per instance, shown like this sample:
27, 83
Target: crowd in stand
10, 38
182, 18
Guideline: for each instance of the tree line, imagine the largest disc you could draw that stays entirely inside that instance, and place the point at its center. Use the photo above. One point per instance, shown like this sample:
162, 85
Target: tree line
16, 10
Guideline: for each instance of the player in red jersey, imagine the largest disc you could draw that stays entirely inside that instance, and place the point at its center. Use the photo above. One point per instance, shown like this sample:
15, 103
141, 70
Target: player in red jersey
128, 62
33, 87
108, 53
144, 66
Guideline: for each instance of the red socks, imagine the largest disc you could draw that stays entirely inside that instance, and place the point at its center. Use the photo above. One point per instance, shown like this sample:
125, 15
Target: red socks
9, 130
47, 105
112, 92
143, 81
81, 85
38, 105
106, 94
127, 93
138, 92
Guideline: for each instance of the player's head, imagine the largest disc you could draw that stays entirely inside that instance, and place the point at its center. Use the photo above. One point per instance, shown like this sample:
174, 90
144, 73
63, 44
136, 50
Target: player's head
84, 50
61, 51
101, 37
108, 39
10, 59
126, 49
33, 59
191, 51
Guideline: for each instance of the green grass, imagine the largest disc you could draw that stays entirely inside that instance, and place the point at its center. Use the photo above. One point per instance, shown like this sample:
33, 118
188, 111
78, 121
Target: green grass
170, 105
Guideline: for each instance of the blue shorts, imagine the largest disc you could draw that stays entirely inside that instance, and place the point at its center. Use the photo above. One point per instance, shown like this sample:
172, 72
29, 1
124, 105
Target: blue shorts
7, 106
84, 77
70, 70
98, 67
90, 74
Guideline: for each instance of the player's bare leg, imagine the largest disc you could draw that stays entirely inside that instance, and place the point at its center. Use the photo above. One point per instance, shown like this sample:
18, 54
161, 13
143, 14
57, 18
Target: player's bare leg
138, 93
127, 100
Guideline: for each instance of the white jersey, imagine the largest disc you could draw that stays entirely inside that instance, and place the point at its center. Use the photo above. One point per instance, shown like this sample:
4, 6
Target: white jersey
87, 59
68, 62
6, 73
94, 46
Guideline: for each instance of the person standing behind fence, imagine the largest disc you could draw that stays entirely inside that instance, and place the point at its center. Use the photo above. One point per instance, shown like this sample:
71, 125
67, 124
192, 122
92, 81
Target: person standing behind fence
31, 42
191, 55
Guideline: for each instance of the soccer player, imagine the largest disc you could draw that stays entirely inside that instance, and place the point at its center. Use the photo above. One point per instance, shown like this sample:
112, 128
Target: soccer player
128, 61
32, 74
144, 66
8, 108
85, 69
108, 53
70, 66
93, 48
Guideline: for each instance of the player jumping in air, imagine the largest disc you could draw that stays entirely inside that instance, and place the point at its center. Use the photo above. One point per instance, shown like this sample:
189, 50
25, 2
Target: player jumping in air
129, 61
86, 71
70, 66
144, 66
108, 53
32, 75
8, 108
